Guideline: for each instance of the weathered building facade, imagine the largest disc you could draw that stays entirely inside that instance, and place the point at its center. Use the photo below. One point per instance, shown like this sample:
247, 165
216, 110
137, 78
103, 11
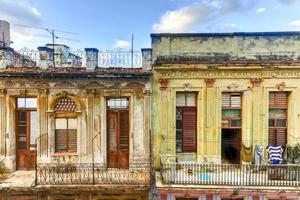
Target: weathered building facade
75, 132
215, 98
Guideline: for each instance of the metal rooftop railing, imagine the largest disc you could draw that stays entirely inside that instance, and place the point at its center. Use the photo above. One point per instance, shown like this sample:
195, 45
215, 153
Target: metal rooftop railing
75, 58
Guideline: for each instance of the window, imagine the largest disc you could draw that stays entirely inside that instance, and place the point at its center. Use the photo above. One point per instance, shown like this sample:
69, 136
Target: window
65, 126
117, 103
29, 103
278, 102
231, 110
186, 122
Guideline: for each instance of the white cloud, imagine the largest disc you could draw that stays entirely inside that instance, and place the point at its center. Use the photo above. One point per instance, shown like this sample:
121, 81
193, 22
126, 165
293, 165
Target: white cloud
36, 12
123, 44
260, 10
19, 11
22, 12
184, 19
295, 22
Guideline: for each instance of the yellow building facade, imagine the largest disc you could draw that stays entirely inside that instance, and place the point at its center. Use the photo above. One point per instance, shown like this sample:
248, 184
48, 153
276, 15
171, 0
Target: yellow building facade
257, 75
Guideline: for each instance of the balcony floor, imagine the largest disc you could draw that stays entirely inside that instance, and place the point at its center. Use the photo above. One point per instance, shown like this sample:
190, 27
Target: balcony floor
19, 179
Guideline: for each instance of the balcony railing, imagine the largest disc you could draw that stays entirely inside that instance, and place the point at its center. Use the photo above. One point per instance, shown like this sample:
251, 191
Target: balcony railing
91, 174
231, 174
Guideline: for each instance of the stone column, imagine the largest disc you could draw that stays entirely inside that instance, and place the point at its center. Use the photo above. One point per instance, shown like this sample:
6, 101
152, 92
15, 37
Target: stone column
90, 121
2, 123
147, 123
42, 142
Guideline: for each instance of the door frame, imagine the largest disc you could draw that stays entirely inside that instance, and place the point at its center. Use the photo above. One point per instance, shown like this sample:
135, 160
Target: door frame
118, 111
17, 111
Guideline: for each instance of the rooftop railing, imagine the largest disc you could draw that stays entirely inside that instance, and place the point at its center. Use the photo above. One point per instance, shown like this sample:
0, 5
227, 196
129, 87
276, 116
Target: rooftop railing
75, 58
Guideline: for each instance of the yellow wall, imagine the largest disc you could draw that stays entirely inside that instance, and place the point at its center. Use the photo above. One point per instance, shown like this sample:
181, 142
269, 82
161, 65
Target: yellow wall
234, 79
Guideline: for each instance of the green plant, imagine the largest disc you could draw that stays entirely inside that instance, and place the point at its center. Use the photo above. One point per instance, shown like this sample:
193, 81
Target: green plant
3, 171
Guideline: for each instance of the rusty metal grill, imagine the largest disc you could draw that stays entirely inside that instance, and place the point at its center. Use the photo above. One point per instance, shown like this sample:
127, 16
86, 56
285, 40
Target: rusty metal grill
89, 173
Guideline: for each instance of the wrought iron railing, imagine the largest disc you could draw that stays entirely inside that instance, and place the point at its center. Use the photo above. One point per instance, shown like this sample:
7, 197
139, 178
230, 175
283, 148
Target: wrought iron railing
231, 174
75, 58
88, 173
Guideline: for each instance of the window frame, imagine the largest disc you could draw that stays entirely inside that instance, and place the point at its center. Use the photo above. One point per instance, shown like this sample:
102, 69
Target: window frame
66, 115
230, 107
273, 128
185, 108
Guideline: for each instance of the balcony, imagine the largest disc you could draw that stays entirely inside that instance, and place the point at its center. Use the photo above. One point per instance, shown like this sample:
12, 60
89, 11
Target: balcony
230, 174
91, 174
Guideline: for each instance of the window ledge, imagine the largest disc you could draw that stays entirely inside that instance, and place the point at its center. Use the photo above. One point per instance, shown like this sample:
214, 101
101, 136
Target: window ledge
64, 154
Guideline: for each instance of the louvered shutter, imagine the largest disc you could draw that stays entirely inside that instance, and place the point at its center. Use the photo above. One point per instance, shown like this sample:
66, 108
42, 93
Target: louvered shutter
281, 136
61, 139
278, 99
124, 130
72, 140
226, 100
189, 129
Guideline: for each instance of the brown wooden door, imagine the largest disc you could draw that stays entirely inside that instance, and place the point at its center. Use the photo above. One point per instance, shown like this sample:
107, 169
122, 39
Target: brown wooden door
118, 139
26, 131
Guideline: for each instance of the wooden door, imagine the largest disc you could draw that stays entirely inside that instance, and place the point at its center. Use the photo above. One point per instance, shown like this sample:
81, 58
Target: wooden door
118, 138
26, 131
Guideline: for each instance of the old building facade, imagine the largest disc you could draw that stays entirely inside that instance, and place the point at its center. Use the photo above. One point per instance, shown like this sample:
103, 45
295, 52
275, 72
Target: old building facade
75, 132
216, 98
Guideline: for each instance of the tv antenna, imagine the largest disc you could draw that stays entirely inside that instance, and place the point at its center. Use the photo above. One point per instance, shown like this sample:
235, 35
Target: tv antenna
53, 35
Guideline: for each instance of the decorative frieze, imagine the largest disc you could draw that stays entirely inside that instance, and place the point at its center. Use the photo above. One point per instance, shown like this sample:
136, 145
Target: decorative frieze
201, 74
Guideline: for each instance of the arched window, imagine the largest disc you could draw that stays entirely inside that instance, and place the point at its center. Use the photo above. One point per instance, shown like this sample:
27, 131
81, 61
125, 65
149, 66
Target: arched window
65, 125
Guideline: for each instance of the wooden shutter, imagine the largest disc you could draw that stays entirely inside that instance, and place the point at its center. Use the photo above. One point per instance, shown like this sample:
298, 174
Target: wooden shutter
189, 129
61, 138
226, 100
72, 140
278, 99
281, 136
124, 130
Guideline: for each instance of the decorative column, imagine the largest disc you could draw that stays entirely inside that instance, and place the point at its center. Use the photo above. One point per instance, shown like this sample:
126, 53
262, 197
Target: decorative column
147, 122
2, 123
90, 121
42, 142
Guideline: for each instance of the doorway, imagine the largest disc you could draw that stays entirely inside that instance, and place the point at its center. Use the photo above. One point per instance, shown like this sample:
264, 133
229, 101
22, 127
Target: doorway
118, 133
231, 146
26, 133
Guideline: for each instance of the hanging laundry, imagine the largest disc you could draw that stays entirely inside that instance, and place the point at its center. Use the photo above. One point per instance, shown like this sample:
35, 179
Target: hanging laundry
258, 155
247, 153
275, 154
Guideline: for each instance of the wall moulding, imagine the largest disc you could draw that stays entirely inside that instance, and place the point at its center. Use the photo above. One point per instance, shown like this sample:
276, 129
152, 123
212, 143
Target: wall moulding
167, 74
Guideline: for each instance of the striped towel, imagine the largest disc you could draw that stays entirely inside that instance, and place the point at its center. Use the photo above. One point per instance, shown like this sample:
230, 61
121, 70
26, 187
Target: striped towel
275, 154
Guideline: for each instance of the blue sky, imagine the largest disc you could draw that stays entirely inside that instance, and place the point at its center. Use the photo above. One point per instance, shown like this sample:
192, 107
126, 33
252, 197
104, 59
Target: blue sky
108, 24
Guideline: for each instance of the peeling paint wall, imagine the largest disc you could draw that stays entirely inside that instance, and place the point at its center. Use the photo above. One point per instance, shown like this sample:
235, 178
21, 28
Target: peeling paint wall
91, 99
209, 82
228, 46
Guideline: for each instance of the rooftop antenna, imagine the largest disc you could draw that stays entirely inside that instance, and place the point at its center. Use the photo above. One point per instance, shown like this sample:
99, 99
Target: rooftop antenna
132, 37
53, 35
